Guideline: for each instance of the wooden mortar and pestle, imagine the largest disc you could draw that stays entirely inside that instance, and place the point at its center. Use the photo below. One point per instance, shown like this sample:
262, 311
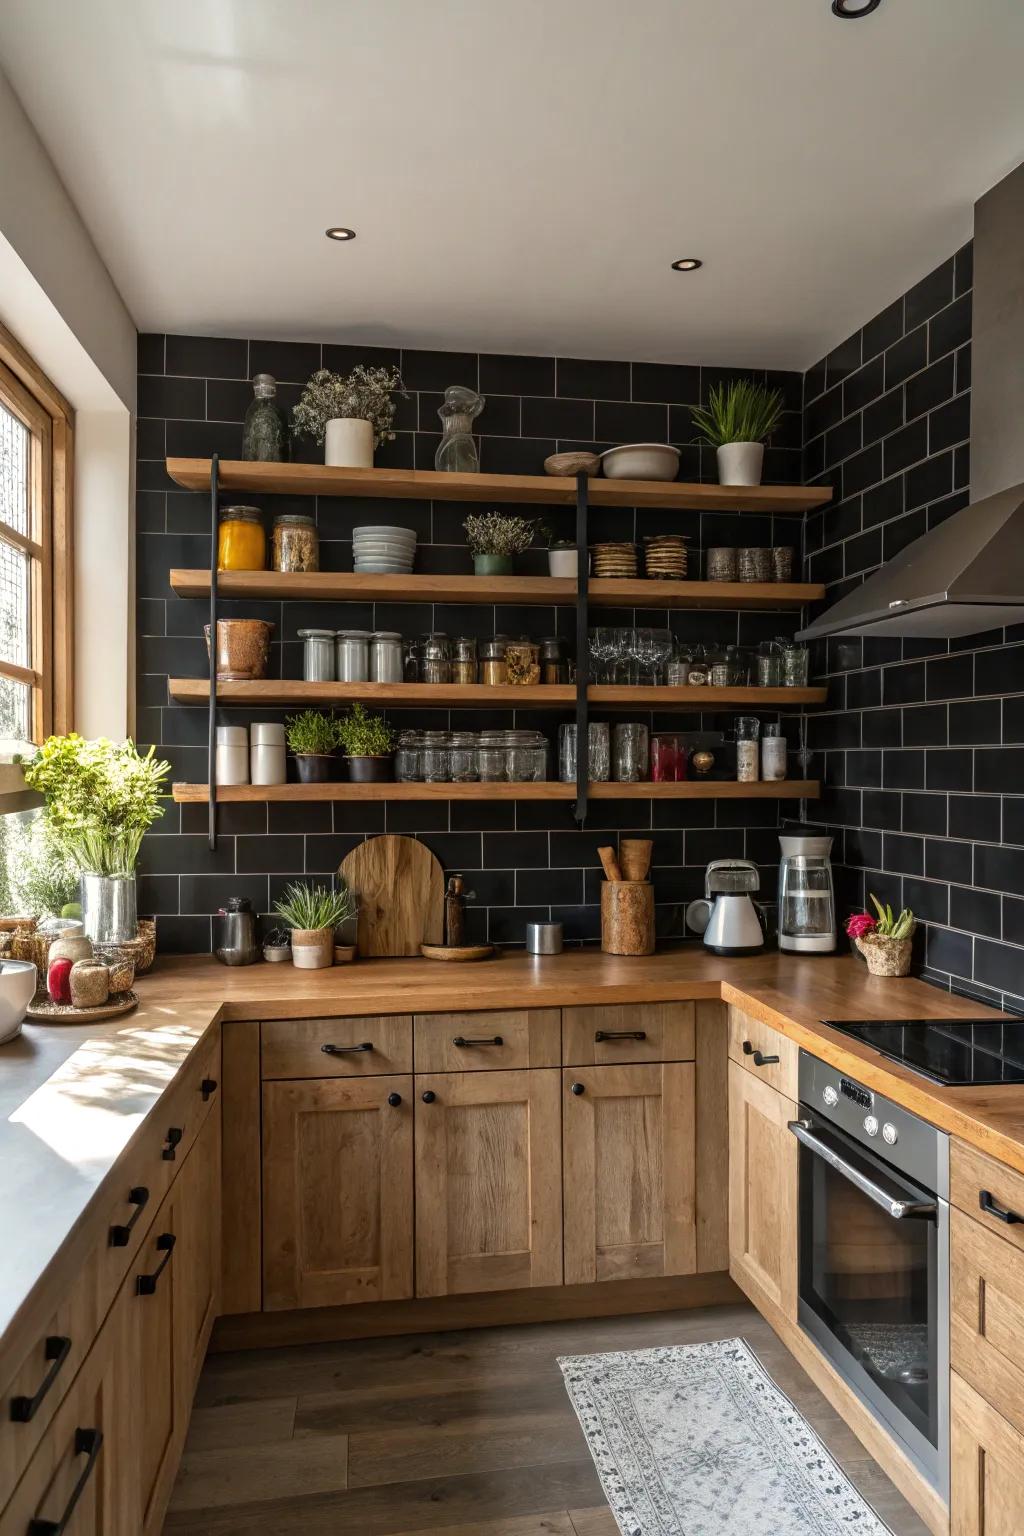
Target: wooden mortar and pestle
627, 898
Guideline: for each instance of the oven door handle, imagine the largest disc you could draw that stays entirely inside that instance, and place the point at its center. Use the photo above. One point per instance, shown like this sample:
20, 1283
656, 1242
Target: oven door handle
891, 1198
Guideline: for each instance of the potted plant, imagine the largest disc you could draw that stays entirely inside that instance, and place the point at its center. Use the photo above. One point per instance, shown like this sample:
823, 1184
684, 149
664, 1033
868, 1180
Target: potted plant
312, 912
737, 421
369, 744
100, 799
494, 540
351, 414
885, 941
313, 738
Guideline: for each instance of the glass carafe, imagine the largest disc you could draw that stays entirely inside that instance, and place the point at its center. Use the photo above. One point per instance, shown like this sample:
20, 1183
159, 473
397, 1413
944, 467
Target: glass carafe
457, 451
806, 900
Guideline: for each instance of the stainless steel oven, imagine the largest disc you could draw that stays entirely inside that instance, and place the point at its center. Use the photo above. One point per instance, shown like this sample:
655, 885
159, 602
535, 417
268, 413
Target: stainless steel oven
874, 1255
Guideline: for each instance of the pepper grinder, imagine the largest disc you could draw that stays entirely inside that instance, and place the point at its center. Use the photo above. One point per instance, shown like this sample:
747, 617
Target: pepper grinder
455, 898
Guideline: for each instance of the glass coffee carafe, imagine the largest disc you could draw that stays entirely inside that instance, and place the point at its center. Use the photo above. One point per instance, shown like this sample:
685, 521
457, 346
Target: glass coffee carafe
807, 908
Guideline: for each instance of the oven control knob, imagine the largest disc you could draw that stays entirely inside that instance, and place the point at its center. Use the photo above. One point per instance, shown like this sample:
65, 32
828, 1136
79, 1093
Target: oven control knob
830, 1096
890, 1134
871, 1125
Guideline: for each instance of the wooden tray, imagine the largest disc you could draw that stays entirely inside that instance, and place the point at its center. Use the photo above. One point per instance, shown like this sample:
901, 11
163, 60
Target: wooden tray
456, 951
45, 1012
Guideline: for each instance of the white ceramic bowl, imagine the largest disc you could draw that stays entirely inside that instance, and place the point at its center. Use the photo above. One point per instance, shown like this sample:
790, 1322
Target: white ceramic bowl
17, 989
641, 461
384, 531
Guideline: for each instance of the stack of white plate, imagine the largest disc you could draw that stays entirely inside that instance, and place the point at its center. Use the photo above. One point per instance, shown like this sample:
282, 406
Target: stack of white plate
380, 550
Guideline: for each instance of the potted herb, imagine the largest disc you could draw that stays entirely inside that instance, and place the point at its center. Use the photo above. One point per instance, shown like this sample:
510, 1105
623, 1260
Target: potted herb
737, 421
312, 912
494, 541
885, 941
313, 738
369, 743
100, 799
351, 414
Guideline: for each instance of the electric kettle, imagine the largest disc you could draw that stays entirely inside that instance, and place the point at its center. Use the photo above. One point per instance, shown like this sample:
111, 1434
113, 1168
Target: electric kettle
727, 916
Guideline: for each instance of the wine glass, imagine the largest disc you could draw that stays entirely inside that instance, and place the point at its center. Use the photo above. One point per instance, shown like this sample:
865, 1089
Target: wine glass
660, 651
602, 650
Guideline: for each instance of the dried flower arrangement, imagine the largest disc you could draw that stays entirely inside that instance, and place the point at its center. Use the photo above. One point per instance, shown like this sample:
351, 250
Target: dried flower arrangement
365, 394
494, 534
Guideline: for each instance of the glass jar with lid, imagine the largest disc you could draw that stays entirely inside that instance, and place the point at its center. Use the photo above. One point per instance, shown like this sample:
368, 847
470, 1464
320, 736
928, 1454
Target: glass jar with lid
769, 664
436, 757
465, 767
407, 757
241, 541
296, 542
491, 759
554, 668
493, 669
464, 659
436, 665
522, 662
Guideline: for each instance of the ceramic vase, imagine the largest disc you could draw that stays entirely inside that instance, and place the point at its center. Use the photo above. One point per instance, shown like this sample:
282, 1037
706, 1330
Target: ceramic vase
348, 443
740, 463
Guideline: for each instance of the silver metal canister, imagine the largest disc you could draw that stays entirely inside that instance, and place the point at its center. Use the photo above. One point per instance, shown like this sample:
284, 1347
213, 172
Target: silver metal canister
109, 907
543, 938
353, 656
318, 655
386, 665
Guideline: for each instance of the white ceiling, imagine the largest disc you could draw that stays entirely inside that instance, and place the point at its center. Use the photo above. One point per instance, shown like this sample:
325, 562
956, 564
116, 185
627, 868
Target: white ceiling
522, 172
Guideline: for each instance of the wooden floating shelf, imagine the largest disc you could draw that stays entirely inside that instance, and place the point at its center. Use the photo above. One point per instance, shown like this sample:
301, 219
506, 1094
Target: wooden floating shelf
693, 789
293, 691
532, 591
542, 490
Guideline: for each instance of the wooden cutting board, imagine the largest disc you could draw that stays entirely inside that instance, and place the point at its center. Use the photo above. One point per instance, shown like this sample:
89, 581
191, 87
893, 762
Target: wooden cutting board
400, 888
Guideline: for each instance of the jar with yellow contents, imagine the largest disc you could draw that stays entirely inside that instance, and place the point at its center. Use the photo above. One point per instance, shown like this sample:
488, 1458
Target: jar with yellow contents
241, 540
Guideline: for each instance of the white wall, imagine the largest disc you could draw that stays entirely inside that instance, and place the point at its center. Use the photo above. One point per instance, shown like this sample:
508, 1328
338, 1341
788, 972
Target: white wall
59, 300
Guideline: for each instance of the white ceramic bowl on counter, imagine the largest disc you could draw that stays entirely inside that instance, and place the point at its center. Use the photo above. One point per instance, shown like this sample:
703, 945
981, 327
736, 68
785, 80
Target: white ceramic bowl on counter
641, 461
17, 989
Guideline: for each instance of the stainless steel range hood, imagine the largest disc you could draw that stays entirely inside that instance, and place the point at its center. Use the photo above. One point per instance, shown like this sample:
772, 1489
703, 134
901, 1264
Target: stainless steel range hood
967, 574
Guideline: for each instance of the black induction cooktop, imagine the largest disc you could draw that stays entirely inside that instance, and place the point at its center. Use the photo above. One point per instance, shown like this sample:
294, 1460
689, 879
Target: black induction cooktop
956, 1052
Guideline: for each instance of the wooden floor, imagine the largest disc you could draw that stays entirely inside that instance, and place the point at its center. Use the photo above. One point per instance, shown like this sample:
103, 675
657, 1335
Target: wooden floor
455, 1434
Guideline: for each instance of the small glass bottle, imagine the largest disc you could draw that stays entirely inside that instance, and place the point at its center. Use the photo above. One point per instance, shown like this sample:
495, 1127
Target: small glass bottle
773, 754
265, 431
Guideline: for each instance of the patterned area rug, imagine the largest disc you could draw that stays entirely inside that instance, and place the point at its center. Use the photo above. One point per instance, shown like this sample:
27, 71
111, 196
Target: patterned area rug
699, 1441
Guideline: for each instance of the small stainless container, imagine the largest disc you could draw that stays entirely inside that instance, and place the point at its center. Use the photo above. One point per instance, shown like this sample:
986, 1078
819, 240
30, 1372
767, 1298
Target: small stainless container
543, 938
318, 655
352, 656
234, 933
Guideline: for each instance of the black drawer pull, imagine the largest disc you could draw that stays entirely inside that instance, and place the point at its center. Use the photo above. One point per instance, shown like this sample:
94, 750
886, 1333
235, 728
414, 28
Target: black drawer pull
577, 1089
989, 1206
23, 1409
145, 1285
88, 1442
461, 1040
619, 1034
346, 1050
120, 1236
760, 1060
394, 1099
173, 1137
429, 1096
208, 1087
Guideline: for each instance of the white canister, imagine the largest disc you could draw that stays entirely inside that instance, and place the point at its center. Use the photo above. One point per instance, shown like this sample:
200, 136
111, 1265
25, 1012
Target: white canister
267, 754
348, 443
232, 754
773, 754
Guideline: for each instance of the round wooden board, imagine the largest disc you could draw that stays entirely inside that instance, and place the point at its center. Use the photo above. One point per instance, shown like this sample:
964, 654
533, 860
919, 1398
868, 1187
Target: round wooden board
456, 951
44, 1012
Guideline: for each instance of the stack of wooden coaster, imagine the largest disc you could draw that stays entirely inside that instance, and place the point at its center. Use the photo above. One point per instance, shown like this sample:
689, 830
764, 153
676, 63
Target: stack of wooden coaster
665, 557
614, 560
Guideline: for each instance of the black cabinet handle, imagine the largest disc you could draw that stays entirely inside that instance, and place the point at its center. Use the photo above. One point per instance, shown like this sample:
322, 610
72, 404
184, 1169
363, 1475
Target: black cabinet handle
429, 1096
394, 1099
346, 1050
577, 1089
208, 1087
23, 1409
619, 1034
88, 1442
461, 1040
760, 1060
173, 1137
120, 1236
145, 1285
999, 1212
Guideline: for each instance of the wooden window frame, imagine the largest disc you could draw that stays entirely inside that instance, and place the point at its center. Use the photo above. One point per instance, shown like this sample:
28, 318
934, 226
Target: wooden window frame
29, 394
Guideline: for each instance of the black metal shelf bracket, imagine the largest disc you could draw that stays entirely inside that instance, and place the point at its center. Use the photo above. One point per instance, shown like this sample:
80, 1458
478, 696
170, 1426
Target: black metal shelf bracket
582, 651
211, 773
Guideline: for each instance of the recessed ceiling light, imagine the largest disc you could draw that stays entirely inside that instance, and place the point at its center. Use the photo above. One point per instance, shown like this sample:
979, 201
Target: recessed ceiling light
852, 10
339, 232
686, 264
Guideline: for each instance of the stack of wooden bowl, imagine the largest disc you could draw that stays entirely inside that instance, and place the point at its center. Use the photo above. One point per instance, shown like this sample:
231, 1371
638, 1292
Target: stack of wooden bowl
614, 560
665, 557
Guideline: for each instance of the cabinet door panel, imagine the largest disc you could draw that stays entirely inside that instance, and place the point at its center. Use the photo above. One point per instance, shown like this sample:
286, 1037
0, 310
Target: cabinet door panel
488, 1194
987, 1321
987, 1473
197, 1257
337, 1192
628, 1155
762, 1191
154, 1293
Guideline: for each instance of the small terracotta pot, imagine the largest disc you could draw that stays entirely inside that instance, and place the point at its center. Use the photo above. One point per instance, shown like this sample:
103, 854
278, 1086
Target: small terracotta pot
886, 957
312, 948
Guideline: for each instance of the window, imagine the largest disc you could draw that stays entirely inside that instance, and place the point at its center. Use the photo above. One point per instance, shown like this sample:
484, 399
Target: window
35, 550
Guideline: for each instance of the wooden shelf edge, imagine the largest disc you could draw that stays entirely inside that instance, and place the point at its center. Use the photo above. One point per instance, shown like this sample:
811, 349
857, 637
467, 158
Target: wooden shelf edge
693, 789
292, 691
550, 490
604, 592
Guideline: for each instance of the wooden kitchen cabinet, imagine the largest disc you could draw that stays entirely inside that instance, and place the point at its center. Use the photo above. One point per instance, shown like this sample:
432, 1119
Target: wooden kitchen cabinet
987, 1467
488, 1181
763, 1231
337, 1191
197, 1278
628, 1139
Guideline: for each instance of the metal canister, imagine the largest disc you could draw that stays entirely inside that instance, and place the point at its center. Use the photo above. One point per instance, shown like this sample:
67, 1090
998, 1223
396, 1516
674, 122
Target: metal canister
353, 656
543, 938
318, 655
386, 657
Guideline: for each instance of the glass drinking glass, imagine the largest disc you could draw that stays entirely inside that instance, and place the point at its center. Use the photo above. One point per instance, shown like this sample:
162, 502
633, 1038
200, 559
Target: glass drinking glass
631, 754
598, 756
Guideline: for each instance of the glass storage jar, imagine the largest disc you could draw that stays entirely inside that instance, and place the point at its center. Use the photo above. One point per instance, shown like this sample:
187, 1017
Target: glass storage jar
318, 655
352, 656
493, 670
386, 657
491, 759
436, 757
265, 430
525, 756
630, 753
407, 758
554, 668
795, 666
769, 664
522, 662
464, 660
241, 541
436, 666
465, 767
296, 542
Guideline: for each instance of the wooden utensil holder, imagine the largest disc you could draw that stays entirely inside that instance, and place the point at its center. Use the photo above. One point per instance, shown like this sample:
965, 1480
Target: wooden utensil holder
627, 917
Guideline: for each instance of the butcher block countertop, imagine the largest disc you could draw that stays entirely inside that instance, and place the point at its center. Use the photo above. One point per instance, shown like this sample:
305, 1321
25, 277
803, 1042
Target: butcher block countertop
73, 1098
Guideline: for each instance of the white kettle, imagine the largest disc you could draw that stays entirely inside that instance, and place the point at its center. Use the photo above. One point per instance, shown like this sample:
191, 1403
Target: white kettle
727, 917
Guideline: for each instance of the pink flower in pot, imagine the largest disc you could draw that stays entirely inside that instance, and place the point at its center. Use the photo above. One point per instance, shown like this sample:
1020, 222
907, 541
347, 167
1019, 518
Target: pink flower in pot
860, 924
